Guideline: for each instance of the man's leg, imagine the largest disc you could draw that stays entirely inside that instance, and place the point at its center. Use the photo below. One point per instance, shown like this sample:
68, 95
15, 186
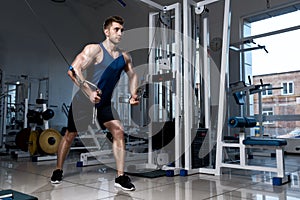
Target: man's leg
116, 129
64, 148
62, 152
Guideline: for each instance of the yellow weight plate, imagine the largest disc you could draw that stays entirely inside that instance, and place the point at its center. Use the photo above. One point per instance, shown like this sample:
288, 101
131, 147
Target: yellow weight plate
49, 141
32, 143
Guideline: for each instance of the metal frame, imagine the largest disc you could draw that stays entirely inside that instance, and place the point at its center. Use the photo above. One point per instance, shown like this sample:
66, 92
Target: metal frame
188, 113
153, 4
177, 73
223, 85
279, 169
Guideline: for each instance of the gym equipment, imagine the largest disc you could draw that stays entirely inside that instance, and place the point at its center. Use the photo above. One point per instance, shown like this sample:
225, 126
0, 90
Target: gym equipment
47, 114
240, 91
38, 117
15, 195
247, 122
38, 142
164, 75
199, 149
85, 83
49, 141
33, 139
237, 49
22, 139
260, 143
33, 142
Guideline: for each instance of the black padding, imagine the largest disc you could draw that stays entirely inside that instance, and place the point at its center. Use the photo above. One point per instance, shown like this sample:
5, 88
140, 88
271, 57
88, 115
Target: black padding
48, 114
264, 141
242, 122
41, 101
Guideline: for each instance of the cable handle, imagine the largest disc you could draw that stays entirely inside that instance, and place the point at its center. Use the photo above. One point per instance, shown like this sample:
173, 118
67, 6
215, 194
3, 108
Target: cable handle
92, 86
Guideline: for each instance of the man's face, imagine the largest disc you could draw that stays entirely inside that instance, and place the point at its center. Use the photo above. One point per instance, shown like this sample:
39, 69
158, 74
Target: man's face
114, 32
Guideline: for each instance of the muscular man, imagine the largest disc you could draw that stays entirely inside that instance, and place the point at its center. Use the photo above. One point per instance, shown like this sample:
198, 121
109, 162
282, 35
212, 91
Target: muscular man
103, 64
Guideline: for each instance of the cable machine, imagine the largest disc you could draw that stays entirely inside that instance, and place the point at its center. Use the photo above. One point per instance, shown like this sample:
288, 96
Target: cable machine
163, 82
190, 8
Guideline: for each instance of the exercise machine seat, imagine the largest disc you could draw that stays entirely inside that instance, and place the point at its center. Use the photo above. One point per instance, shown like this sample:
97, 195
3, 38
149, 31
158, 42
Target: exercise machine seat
264, 141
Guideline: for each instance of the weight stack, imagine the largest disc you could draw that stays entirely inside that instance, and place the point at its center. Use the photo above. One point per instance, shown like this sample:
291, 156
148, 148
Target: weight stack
200, 148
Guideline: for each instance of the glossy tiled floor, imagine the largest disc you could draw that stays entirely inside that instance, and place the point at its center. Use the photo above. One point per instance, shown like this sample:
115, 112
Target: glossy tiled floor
91, 183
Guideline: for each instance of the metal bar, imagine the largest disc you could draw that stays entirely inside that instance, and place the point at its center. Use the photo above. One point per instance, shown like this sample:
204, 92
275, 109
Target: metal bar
272, 33
281, 118
247, 49
261, 129
206, 73
222, 88
153, 4
151, 72
25, 113
187, 75
206, 2
178, 95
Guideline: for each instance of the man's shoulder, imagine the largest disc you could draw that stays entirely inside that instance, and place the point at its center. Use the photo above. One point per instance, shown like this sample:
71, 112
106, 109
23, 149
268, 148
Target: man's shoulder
126, 55
92, 48
93, 45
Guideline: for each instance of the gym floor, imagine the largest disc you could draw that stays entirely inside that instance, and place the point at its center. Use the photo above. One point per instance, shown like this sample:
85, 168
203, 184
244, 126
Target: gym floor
91, 182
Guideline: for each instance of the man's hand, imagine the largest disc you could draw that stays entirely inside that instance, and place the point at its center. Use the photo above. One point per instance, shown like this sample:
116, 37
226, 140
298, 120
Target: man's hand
134, 100
95, 96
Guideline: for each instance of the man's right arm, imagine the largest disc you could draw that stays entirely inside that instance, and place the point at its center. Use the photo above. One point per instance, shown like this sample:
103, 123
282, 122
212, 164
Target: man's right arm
83, 60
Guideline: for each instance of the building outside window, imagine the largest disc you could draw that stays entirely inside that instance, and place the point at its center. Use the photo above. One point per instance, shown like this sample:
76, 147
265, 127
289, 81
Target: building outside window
267, 92
268, 111
288, 88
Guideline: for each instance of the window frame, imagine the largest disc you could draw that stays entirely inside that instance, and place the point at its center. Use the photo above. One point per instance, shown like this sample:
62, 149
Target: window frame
267, 93
268, 114
288, 83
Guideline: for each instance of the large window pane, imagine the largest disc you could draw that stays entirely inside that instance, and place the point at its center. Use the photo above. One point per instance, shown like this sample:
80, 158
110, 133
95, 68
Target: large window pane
273, 57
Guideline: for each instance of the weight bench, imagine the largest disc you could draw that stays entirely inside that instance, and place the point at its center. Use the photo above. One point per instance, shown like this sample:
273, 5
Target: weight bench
273, 144
259, 143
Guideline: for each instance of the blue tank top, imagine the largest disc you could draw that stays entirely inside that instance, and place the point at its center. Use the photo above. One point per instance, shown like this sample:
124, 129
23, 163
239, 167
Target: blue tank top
106, 75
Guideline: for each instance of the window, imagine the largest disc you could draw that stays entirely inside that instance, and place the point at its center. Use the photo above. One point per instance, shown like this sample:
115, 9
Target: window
270, 37
267, 111
288, 88
270, 47
267, 92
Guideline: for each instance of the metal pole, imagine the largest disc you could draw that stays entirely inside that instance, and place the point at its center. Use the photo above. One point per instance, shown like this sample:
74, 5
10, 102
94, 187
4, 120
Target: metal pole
151, 72
222, 88
186, 84
206, 73
178, 95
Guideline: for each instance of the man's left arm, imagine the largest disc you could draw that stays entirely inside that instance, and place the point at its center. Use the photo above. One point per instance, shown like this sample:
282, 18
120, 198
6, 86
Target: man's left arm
133, 79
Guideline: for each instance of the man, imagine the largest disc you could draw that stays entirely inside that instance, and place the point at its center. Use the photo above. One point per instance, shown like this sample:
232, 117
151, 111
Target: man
103, 64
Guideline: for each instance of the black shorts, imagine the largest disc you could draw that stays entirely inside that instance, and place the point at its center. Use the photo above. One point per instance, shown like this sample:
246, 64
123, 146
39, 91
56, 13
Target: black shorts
81, 116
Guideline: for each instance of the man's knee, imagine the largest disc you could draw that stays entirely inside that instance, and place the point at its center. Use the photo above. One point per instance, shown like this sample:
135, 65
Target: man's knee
118, 133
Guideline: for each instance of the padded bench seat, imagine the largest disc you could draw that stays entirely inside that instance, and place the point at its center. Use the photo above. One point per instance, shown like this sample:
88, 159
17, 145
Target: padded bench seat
264, 141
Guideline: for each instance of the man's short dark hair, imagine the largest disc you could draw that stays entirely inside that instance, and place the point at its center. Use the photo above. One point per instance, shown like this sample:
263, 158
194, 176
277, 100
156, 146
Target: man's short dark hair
108, 22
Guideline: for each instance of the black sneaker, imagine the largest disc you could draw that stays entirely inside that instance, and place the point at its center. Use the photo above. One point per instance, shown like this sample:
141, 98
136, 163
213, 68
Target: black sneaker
57, 176
124, 182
